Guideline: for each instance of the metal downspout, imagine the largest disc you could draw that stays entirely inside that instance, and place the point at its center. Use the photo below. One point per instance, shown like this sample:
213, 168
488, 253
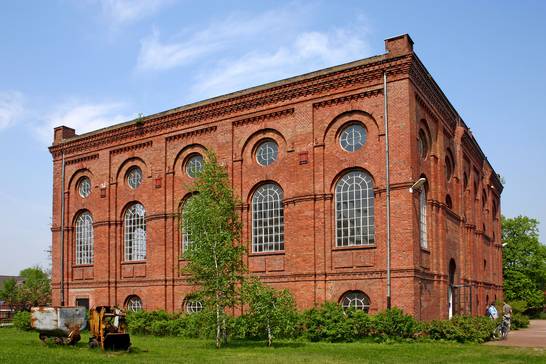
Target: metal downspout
388, 190
62, 232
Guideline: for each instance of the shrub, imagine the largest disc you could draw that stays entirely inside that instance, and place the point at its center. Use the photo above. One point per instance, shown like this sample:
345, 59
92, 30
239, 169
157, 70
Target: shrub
328, 322
21, 320
394, 323
519, 321
462, 329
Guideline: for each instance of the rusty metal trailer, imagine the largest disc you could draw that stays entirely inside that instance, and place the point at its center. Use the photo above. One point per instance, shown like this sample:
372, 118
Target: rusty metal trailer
63, 324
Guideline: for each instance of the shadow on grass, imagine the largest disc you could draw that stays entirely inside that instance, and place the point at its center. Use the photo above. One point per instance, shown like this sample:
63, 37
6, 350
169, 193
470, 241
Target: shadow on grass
246, 344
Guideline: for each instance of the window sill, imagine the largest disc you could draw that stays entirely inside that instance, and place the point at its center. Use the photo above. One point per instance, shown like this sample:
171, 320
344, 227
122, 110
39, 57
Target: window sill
425, 250
82, 265
261, 254
133, 262
354, 247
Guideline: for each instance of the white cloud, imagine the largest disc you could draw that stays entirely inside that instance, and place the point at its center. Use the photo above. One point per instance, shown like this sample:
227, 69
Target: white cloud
83, 117
11, 108
234, 31
122, 12
308, 51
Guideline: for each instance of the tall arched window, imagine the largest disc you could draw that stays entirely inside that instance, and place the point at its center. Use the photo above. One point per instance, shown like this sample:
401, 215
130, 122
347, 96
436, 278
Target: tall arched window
135, 232
84, 239
423, 217
267, 219
185, 237
354, 209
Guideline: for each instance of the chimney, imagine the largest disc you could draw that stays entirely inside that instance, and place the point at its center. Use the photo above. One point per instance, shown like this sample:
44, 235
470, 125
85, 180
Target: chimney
61, 133
399, 45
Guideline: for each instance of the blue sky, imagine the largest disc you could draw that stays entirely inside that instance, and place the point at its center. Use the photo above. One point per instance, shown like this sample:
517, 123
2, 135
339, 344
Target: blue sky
92, 63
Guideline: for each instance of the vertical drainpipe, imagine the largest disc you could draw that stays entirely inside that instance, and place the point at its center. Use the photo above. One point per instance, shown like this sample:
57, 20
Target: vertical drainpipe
388, 190
62, 232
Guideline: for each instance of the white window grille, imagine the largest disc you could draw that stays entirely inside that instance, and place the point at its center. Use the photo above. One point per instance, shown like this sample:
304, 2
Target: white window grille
135, 233
134, 177
84, 187
193, 306
354, 205
194, 165
267, 153
357, 300
134, 304
423, 218
84, 239
267, 219
352, 137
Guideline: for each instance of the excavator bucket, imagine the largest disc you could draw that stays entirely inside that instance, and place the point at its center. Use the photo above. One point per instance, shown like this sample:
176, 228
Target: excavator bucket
116, 341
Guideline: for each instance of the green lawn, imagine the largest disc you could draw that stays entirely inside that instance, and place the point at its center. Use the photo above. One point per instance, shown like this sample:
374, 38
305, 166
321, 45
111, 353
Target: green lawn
25, 347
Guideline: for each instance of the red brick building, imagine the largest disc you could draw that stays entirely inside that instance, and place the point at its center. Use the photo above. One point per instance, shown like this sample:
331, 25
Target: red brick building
307, 156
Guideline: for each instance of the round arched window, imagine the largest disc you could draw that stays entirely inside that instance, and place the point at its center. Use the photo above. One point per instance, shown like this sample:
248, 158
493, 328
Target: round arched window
356, 299
422, 144
194, 165
133, 303
267, 152
84, 187
134, 177
192, 305
448, 167
352, 137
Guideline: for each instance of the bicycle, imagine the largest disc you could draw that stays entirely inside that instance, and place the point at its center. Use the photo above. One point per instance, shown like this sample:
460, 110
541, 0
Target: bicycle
502, 329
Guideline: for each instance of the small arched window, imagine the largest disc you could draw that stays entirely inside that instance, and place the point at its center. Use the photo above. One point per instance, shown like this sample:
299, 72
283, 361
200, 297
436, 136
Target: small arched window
133, 303
448, 166
84, 239
192, 305
135, 233
422, 144
267, 219
267, 152
354, 209
84, 187
449, 202
352, 137
194, 165
355, 299
423, 218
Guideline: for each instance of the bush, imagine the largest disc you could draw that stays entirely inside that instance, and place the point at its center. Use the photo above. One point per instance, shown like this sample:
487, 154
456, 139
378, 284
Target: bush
329, 322
462, 329
394, 323
519, 321
161, 323
21, 320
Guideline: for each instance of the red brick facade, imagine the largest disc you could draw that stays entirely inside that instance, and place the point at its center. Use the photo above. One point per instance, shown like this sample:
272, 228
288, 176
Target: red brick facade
304, 116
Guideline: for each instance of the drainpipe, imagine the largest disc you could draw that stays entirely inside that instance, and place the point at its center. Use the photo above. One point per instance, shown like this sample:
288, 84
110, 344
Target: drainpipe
388, 190
62, 232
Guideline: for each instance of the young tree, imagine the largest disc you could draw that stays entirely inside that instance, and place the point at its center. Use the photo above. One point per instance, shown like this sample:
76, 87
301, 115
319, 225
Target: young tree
272, 310
10, 293
524, 261
36, 288
214, 253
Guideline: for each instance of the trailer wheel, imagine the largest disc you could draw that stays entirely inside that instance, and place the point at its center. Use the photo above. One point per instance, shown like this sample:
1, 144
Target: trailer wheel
43, 338
93, 343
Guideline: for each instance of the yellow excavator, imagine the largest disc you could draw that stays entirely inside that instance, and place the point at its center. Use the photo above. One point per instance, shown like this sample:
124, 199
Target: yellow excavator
108, 328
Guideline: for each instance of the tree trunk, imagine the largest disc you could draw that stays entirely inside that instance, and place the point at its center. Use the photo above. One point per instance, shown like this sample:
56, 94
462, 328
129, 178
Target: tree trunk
217, 326
224, 330
269, 336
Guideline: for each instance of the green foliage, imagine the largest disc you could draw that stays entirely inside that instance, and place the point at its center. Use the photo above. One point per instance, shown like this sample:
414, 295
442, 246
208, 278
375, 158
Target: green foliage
21, 320
34, 291
394, 323
161, 323
272, 313
461, 329
524, 261
519, 321
215, 254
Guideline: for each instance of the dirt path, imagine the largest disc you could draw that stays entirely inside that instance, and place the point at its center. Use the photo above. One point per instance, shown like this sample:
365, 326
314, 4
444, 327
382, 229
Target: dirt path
534, 336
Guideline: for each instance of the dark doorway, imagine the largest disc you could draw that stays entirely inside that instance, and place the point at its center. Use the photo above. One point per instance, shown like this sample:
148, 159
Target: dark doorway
450, 290
83, 302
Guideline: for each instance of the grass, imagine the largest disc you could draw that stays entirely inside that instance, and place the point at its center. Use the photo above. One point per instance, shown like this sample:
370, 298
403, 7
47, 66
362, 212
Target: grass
25, 347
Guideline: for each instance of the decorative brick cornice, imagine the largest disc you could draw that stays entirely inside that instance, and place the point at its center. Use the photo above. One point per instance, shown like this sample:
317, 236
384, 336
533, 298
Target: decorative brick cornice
348, 98
294, 89
188, 134
82, 159
433, 94
132, 147
258, 118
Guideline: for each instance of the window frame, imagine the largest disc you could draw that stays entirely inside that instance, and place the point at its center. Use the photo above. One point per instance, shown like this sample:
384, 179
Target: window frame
131, 224
275, 154
351, 148
269, 217
365, 306
87, 192
84, 245
423, 226
129, 303
133, 182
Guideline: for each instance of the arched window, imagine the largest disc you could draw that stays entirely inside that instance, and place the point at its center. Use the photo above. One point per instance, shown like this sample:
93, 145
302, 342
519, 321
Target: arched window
84, 239
422, 144
194, 165
185, 237
352, 137
267, 152
84, 187
267, 219
355, 299
192, 305
133, 303
135, 233
134, 177
354, 209
423, 218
